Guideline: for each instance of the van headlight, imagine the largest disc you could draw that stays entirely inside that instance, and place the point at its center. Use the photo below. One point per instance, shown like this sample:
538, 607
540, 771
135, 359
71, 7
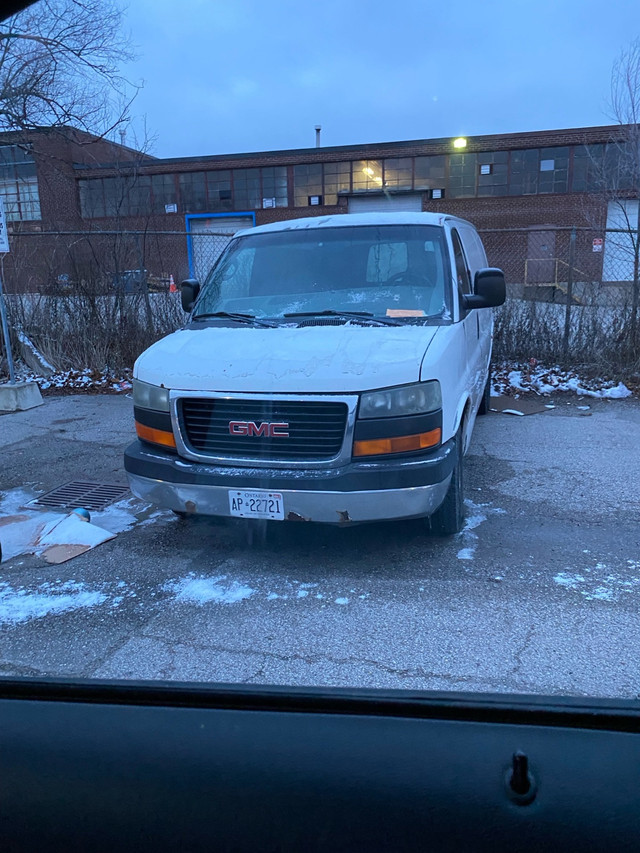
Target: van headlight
415, 399
147, 396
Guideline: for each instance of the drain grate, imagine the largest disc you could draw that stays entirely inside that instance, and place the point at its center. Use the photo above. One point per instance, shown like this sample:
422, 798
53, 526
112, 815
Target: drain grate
91, 496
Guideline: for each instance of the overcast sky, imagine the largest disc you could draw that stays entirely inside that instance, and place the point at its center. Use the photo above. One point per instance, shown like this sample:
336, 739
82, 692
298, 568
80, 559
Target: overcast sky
224, 76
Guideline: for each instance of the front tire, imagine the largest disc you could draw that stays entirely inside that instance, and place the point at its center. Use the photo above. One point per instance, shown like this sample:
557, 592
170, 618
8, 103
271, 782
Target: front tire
448, 519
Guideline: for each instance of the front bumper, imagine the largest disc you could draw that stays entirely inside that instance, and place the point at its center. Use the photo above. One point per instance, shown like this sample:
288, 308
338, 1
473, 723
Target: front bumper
358, 491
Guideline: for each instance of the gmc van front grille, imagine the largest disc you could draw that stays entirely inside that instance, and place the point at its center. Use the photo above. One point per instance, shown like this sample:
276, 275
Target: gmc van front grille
295, 430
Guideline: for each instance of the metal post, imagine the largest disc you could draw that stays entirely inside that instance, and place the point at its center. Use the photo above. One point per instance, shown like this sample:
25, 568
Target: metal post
567, 314
5, 334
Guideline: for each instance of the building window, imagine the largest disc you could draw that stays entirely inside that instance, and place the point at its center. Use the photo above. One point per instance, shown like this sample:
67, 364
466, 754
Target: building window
524, 172
587, 168
367, 175
430, 172
463, 170
437, 193
247, 194
274, 185
193, 192
539, 170
137, 196
493, 173
19, 184
337, 179
307, 182
91, 198
600, 167
554, 170
398, 173
219, 190
163, 190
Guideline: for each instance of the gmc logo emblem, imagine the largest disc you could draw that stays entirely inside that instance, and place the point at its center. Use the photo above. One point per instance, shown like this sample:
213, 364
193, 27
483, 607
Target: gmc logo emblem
266, 428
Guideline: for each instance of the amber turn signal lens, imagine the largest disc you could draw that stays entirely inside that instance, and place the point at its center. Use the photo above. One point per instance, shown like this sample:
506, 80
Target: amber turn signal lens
155, 436
401, 444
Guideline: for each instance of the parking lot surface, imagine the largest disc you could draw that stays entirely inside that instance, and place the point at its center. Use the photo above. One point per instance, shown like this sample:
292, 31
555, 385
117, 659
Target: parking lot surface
539, 593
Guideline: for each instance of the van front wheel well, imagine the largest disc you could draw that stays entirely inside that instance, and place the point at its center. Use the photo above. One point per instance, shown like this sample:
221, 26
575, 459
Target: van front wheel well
462, 430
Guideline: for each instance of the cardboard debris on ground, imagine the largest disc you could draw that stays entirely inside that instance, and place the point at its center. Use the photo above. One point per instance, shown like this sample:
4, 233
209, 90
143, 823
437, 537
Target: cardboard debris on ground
56, 554
521, 406
56, 537
70, 537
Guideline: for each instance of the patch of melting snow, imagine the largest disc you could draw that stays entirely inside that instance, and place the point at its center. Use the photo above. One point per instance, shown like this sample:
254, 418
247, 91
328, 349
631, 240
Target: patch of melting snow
342, 600
610, 587
570, 581
202, 590
478, 514
545, 380
466, 553
11, 502
20, 604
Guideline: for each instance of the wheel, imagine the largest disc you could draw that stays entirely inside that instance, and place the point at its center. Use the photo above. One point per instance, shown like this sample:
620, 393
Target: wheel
449, 517
485, 403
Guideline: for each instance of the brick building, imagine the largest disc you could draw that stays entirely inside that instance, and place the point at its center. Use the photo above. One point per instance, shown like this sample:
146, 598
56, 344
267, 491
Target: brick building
73, 201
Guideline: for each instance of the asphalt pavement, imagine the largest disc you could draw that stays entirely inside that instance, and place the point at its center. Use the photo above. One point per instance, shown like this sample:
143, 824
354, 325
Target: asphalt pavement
539, 594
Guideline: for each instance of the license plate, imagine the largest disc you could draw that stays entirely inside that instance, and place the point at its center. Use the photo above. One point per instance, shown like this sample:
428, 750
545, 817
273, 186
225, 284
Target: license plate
257, 505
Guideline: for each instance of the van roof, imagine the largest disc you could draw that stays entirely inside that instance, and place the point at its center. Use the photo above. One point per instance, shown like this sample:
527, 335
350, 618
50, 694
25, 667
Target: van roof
343, 220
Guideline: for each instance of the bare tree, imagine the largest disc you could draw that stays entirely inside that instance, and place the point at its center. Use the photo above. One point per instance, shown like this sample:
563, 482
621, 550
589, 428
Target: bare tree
614, 175
60, 66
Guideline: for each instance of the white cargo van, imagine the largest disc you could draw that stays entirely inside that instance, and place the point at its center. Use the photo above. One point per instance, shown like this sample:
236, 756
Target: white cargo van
331, 370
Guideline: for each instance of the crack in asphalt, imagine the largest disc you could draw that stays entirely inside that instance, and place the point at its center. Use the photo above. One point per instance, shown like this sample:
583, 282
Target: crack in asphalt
9, 669
314, 658
530, 632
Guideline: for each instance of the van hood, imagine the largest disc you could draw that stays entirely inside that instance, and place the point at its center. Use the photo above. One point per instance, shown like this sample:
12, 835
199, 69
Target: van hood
323, 359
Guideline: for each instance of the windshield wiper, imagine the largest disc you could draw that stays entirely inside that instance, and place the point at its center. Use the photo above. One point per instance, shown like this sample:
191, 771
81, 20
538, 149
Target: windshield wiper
230, 315
358, 315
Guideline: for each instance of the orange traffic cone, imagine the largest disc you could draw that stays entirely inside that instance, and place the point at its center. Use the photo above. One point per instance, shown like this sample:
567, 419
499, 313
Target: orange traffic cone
172, 285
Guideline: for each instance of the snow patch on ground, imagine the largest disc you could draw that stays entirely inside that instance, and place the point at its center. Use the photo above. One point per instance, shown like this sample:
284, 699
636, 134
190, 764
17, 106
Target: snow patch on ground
511, 380
599, 583
477, 515
11, 502
79, 380
21, 604
202, 590
28, 343
466, 553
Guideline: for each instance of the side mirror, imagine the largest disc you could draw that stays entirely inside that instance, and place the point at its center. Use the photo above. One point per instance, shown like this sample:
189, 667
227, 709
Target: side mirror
489, 289
189, 290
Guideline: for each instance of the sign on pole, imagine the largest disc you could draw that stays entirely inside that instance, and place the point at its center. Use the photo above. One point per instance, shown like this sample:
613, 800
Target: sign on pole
597, 244
4, 234
4, 248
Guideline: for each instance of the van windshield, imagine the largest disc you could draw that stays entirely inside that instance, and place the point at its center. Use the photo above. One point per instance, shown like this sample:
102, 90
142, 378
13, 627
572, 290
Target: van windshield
390, 270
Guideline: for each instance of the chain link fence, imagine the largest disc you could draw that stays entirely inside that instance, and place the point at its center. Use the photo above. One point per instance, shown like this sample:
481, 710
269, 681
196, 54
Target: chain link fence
572, 296
95, 299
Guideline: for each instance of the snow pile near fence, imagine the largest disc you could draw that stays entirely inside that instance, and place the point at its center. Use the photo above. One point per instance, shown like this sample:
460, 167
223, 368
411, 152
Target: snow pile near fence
514, 379
76, 381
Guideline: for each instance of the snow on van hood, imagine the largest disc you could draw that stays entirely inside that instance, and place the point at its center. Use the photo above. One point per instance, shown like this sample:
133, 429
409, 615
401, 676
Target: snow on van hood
326, 359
